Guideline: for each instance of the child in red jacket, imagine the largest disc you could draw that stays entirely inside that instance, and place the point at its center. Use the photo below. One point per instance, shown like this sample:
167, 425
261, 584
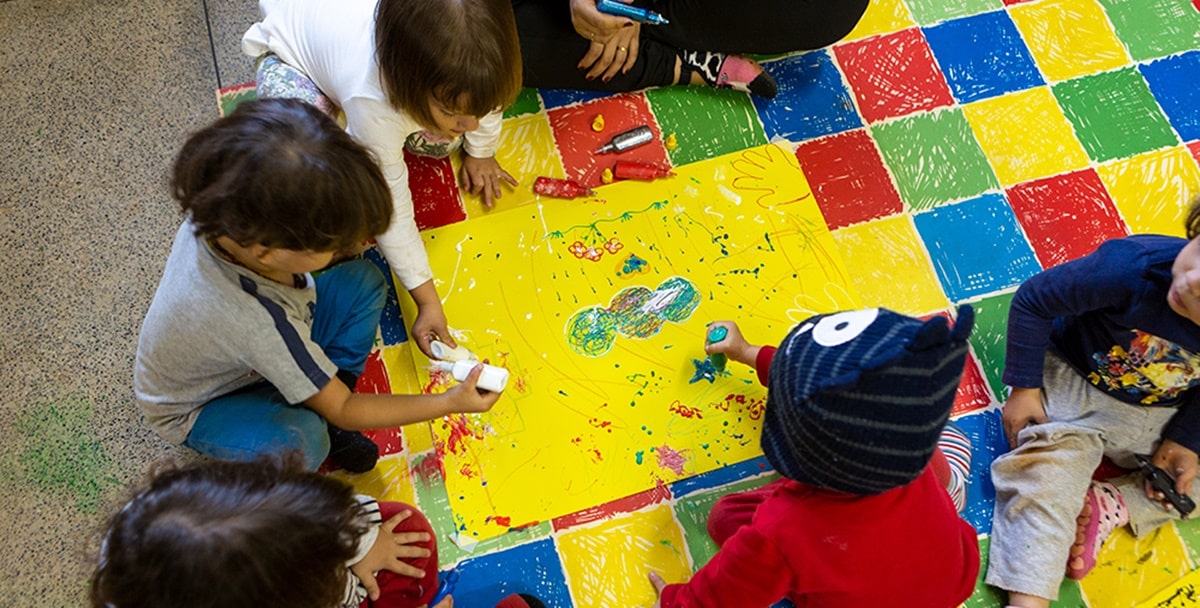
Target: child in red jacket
855, 406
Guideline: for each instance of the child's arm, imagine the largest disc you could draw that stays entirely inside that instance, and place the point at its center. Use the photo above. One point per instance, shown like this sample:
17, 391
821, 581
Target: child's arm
1023, 408
481, 173
355, 411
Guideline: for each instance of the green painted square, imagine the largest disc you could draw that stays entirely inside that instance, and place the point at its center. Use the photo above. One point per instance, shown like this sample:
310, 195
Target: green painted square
1114, 114
989, 339
434, 503
527, 102
928, 12
706, 122
935, 158
1189, 531
1070, 595
692, 513
228, 101
1154, 28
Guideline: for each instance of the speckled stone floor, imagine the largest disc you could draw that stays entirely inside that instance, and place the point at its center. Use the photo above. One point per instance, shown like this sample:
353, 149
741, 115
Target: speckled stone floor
96, 98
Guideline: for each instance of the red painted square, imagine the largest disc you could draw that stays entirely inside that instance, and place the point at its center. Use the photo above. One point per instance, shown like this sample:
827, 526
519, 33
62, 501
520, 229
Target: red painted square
577, 142
434, 191
893, 75
1066, 216
629, 504
972, 391
1194, 147
849, 179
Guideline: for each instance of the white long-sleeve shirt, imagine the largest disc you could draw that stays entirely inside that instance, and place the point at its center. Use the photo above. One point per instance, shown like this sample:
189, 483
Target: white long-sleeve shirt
333, 43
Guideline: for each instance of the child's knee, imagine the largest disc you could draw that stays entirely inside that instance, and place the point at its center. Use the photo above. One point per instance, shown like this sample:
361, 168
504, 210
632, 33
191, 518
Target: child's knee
304, 430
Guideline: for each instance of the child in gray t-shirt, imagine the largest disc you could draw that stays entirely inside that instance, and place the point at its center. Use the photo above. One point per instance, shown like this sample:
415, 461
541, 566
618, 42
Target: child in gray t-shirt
238, 356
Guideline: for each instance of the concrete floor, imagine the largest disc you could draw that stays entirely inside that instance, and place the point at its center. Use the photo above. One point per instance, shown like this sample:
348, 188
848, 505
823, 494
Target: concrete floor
97, 96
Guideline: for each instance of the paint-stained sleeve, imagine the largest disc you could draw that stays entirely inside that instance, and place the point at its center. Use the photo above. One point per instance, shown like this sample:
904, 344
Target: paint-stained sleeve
762, 364
749, 570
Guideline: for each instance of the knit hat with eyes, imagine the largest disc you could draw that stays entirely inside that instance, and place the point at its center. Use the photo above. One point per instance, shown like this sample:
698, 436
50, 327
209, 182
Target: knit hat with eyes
856, 400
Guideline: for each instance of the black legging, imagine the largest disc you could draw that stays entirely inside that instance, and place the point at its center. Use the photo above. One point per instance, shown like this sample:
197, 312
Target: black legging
551, 48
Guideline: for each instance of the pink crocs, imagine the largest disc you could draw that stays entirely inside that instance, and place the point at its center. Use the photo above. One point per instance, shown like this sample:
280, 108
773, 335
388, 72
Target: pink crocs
1103, 511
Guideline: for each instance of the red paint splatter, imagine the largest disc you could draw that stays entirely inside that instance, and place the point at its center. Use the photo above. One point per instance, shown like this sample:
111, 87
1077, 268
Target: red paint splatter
460, 431
374, 379
597, 456
756, 407
500, 520
601, 424
438, 378
429, 469
467, 471
658, 494
685, 411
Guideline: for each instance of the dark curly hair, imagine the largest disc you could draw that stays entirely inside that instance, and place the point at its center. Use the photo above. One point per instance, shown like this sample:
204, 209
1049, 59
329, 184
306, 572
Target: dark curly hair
264, 534
279, 173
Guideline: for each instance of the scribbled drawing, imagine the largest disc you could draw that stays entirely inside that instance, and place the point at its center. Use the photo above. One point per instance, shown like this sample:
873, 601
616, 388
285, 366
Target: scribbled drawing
632, 265
635, 312
602, 354
753, 168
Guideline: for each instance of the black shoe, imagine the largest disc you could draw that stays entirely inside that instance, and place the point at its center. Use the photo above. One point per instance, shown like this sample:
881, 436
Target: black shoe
351, 450
532, 601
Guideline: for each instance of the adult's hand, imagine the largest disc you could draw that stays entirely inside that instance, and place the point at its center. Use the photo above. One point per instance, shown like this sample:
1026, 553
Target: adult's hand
617, 55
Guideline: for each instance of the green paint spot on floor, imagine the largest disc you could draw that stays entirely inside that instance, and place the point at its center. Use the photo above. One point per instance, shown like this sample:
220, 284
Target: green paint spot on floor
58, 452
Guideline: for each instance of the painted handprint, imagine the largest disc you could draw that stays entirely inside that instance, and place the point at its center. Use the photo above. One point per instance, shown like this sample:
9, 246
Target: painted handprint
753, 177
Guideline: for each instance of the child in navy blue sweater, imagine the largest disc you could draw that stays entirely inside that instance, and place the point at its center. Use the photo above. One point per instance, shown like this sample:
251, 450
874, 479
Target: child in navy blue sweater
1103, 360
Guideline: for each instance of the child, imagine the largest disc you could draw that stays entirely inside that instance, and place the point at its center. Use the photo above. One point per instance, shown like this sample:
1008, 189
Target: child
263, 534
571, 44
855, 405
238, 356
421, 75
1103, 357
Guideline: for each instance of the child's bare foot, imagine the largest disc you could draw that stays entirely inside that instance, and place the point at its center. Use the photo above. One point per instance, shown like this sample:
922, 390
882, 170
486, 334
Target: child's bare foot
1103, 511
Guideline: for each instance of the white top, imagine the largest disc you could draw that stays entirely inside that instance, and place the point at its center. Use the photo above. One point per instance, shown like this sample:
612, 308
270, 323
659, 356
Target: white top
333, 43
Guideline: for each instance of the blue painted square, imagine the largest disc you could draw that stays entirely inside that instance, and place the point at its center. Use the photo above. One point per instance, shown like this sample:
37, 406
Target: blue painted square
722, 476
391, 323
977, 246
813, 99
532, 568
983, 56
1173, 81
557, 98
986, 432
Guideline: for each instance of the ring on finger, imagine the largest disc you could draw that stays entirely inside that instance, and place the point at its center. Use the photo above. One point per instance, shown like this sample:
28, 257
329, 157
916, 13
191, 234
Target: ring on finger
622, 49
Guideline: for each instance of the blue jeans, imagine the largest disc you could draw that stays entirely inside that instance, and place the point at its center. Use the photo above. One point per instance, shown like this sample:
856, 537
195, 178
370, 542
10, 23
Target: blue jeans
256, 420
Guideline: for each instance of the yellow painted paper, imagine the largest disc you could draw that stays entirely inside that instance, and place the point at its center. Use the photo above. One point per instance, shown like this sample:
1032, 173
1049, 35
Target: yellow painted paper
890, 267
389, 481
1152, 191
1025, 136
1069, 38
598, 309
1183, 593
1127, 568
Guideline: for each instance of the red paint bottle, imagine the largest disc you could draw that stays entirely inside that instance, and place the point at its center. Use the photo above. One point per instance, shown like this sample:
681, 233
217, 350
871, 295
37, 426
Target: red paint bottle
560, 188
627, 169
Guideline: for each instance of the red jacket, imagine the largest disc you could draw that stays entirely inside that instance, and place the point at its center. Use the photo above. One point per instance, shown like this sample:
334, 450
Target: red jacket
820, 548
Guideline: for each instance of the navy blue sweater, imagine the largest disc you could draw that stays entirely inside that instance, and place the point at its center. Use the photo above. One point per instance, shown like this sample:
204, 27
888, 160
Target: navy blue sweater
1107, 315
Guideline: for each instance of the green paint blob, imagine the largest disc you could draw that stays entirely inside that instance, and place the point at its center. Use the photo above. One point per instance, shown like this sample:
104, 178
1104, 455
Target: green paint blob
59, 454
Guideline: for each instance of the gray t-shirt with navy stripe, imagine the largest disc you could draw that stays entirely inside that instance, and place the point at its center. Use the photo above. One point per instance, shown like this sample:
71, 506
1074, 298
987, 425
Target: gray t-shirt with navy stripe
215, 327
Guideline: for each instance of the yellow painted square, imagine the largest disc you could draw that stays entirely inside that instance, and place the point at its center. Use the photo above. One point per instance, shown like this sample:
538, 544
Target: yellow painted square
889, 266
388, 481
526, 150
882, 17
1025, 136
402, 377
1069, 38
1153, 191
607, 564
1180, 594
597, 307
1128, 570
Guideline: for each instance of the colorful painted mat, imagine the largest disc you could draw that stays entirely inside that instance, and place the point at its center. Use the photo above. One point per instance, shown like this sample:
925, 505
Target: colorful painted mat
953, 149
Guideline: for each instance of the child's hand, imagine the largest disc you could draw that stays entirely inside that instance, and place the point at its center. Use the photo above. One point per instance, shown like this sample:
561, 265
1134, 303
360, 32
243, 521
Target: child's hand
430, 325
483, 176
658, 583
733, 345
466, 398
389, 552
1023, 408
1178, 462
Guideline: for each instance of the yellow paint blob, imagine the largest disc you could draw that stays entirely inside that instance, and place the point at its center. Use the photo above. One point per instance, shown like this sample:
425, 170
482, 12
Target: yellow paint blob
598, 123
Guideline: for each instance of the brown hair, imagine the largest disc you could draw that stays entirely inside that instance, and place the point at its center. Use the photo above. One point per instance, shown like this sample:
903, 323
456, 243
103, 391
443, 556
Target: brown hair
280, 173
1192, 223
451, 51
266, 534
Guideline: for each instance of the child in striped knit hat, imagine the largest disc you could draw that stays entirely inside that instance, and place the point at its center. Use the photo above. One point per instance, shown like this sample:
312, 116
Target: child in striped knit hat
856, 407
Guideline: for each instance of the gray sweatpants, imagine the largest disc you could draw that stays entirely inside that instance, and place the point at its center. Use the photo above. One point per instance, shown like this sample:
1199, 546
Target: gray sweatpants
1041, 485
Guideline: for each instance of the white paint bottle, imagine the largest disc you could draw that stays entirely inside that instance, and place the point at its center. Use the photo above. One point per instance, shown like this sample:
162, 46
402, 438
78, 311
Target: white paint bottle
492, 379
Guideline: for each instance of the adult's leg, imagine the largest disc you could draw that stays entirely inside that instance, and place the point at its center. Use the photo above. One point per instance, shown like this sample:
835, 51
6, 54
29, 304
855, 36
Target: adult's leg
761, 26
256, 421
398, 591
551, 50
350, 299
